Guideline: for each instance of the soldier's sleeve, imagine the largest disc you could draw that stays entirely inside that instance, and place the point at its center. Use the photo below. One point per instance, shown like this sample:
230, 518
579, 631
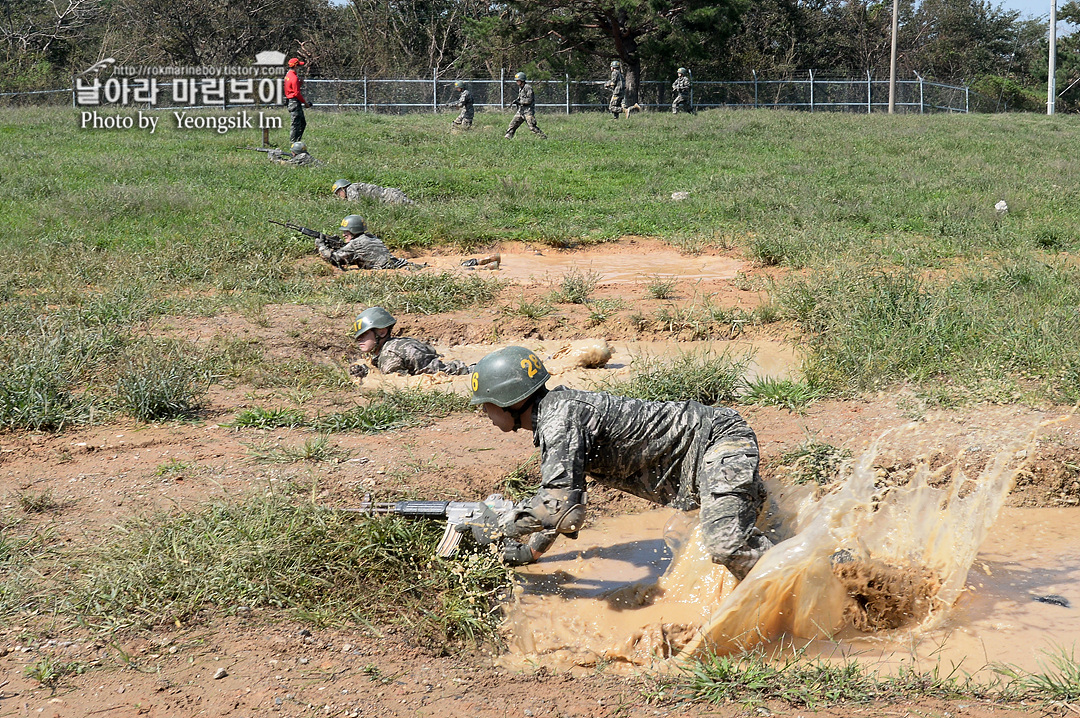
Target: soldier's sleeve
391, 361
565, 441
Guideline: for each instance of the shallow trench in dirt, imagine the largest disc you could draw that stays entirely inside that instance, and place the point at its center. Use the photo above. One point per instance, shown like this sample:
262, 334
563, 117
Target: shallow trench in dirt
588, 617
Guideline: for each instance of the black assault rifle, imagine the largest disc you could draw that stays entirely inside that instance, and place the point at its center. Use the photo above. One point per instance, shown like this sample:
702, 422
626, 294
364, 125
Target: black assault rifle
481, 518
332, 242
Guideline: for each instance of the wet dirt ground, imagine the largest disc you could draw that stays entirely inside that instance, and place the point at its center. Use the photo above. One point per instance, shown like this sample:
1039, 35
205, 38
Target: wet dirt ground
105, 474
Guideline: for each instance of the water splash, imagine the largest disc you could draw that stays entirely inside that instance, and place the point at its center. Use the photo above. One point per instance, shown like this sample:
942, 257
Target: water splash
904, 554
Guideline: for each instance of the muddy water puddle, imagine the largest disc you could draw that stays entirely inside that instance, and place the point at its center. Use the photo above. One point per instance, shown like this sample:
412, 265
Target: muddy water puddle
622, 268
926, 574
594, 601
562, 358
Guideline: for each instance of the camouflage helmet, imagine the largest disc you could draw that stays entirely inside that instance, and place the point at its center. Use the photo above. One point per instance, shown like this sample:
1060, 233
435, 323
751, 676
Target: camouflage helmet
507, 376
298, 147
372, 318
459, 85
340, 184
682, 71
354, 224
615, 64
520, 76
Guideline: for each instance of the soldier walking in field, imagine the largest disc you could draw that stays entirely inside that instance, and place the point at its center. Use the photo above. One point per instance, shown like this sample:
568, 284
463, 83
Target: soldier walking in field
359, 249
295, 100
617, 86
524, 105
401, 355
464, 119
353, 191
675, 453
681, 88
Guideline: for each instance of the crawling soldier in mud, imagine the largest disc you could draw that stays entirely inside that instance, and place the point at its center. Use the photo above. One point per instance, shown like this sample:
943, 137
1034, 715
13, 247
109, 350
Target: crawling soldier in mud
360, 249
680, 454
402, 355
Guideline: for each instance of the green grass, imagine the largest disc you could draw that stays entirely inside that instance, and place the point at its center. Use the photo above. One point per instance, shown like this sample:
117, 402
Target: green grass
320, 565
709, 378
784, 393
909, 274
814, 462
802, 682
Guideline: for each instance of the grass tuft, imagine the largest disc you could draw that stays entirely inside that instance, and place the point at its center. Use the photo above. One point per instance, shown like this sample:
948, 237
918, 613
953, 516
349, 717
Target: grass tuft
324, 565
709, 378
784, 393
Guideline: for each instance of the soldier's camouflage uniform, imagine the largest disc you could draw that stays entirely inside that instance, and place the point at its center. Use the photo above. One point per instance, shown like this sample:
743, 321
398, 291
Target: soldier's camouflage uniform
465, 117
618, 92
524, 112
390, 195
406, 355
301, 159
681, 87
680, 454
365, 252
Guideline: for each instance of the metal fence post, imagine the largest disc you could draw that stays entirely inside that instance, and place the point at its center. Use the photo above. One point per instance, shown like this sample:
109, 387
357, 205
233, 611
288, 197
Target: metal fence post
967, 92
502, 85
435, 90
365, 93
811, 90
869, 90
568, 93
755, 88
920, 92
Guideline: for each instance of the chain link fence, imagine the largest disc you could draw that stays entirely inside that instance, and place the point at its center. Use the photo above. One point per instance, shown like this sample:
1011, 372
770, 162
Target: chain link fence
812, 93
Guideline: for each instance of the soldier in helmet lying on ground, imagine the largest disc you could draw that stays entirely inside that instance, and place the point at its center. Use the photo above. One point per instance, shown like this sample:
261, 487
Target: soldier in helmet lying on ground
365, 251
675, 453
353, 191
402, 355
299, 156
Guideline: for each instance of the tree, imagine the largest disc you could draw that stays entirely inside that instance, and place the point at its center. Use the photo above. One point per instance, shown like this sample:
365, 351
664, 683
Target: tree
662, 33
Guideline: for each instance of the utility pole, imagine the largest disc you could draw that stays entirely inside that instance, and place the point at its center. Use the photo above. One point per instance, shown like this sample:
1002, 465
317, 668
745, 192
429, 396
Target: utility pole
892, 57
1051, 83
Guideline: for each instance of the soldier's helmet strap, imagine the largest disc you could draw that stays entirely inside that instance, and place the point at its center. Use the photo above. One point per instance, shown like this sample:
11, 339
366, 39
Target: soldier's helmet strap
527, 406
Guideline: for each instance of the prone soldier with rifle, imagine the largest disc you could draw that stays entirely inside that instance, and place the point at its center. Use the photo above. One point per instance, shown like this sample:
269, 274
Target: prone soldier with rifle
355, 247
298, 155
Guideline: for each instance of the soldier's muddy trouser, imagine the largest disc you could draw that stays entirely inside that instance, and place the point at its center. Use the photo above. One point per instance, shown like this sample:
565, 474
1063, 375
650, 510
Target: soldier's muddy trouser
732, 494
616, 103
520, 116
299, 122
463, 120
681, 103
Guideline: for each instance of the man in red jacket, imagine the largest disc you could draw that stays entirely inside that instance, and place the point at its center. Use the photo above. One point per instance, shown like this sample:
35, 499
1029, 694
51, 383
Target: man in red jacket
295, 100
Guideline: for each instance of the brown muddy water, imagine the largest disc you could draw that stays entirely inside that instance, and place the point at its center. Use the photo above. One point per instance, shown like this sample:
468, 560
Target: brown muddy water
609, 268
936, 578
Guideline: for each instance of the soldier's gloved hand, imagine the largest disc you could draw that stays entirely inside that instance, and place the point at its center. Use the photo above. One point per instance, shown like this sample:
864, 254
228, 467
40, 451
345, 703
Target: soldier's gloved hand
560, 509
308, 105
358, 370
515, 553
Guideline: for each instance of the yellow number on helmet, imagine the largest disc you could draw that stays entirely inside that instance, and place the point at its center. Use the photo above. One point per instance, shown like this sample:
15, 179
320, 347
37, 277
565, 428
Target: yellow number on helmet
475, 381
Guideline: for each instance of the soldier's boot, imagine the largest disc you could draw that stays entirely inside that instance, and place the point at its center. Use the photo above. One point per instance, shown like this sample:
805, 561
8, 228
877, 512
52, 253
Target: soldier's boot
615, 115
508, 136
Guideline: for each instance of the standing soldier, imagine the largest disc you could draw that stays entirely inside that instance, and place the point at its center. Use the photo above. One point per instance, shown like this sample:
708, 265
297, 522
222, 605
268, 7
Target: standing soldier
524, 104
361, 249
681, 88
617, 85
295, 100
675, 453
402, 355
465, 102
